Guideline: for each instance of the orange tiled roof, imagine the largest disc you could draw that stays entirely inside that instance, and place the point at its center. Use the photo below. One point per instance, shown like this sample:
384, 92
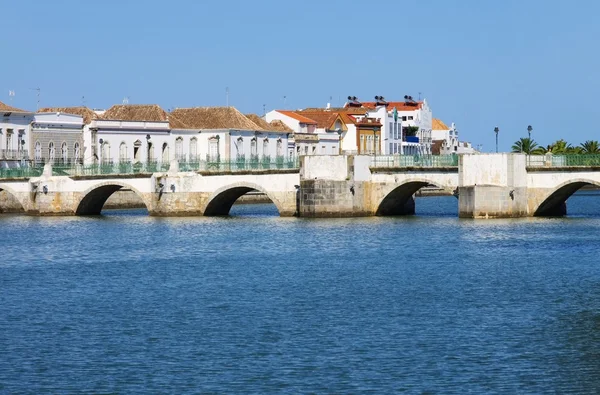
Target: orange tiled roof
84, 112
6, 108
297, 117
136, 112
437, 124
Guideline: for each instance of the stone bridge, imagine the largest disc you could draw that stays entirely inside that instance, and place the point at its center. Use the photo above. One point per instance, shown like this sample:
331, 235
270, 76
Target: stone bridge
487, 186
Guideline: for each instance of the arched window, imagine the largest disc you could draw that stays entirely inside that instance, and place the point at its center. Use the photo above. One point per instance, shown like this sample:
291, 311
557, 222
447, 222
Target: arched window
279, 147
38, 152
64, 153
76, 152
253, 150
213, 148
165, 153
193, 149
179, 149
51, 152
137, 151
265, 149
240, 147
106, 158
123, 152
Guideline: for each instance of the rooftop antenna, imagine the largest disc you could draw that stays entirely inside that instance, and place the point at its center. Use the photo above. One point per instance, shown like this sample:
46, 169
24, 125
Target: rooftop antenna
126, 100
227, 95
38, 96
264, 110
11, 94
284, 101
83, 101
419, 96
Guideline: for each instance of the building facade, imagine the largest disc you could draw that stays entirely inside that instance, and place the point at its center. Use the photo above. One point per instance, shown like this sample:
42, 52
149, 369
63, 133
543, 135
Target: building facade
15, 139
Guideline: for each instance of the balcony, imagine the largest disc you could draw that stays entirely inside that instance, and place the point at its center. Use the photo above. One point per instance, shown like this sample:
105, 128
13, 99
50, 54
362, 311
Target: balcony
410, 139
13, 154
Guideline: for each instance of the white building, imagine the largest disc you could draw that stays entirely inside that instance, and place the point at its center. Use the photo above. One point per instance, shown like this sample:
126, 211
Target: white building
131, 133
446, 139
225, 134
14, 135
315, 132
70, 125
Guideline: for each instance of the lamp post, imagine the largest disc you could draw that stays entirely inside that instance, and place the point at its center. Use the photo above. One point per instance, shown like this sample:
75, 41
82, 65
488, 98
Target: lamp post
529, 129
339, 132
496, 130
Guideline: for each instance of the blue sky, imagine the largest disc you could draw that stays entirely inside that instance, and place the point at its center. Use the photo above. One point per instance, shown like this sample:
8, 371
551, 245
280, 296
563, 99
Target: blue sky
479, 63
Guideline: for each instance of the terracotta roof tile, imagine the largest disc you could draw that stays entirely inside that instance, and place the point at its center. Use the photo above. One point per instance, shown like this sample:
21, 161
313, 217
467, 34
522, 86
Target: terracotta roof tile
400, 105
298, 117
6, 108
136, 112
210, 118
87, 114
279, 126
437, 124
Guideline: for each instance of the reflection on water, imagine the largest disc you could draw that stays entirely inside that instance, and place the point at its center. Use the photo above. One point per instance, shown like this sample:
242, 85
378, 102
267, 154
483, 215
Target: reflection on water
254, 303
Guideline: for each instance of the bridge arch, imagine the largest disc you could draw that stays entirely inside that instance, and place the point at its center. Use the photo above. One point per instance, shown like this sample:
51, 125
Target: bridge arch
397, 200
9, 200
554, 204
92, 200
221, 201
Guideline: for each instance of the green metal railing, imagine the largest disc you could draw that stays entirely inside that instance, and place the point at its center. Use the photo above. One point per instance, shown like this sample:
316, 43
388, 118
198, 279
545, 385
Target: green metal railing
415, 161
109, 168
21, 172
574, 160
240, 165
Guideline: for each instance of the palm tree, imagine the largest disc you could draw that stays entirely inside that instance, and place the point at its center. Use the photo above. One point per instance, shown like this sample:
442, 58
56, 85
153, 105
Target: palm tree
524, 145
561, 147
590, 147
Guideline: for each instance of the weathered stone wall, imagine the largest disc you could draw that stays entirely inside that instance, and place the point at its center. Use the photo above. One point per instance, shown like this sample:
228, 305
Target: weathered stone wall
9, 203
124, 198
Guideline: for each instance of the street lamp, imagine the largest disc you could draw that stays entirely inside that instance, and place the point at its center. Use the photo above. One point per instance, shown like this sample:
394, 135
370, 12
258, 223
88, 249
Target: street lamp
529, 129
339, 132
496, 130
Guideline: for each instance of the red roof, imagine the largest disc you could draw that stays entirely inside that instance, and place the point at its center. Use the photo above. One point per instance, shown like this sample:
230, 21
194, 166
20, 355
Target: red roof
297, 117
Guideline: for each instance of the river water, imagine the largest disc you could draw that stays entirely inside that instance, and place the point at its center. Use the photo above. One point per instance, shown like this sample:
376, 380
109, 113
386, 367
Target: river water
254, 303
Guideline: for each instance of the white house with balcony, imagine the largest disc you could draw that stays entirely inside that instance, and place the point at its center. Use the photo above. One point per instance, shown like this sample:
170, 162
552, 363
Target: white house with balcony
14, 135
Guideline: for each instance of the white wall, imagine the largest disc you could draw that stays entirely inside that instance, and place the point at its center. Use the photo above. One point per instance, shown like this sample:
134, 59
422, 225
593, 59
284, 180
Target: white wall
20, 124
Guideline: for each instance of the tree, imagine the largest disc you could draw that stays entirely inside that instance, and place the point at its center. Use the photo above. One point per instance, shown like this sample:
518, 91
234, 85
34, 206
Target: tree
590, 147
524, 145
561, 147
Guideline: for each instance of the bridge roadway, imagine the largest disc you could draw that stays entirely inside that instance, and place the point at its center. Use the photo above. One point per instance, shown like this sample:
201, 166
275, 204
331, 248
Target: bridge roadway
487, 186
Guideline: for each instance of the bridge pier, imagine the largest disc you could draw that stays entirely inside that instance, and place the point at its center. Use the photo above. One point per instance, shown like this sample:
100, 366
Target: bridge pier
492, 186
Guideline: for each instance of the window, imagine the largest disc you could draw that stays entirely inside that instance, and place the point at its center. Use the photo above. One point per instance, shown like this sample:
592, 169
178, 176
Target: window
137, 152
410, 118
76, 152
391, 132
64, 153
396, 131
240, 146
38, 151
404, 118
179, 148
193, 149
279, 147
253, 147
266, 147
123, 152
106, 158
51, 152
165, 153
213, 148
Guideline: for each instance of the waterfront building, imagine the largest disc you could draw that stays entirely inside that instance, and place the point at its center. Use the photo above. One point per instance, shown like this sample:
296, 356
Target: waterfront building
131, 133
57, 135
446, 141
14, 135
415, 120
224, 133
